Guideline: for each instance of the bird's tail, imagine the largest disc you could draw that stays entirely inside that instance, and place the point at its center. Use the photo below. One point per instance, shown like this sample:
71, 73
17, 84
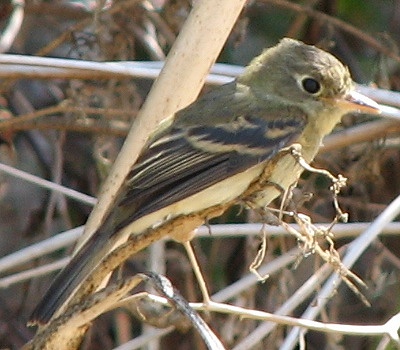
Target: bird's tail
71, 277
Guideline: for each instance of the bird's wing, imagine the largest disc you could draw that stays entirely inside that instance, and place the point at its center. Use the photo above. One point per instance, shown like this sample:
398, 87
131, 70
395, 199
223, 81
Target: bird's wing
177, 165
188, 160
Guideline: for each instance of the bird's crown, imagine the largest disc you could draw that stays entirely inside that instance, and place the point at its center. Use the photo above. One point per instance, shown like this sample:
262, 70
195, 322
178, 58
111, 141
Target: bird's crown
295, 69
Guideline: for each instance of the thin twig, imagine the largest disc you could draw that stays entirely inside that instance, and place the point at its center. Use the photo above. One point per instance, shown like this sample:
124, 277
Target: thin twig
13, 26
356, 248
339, 24
44, 119
47, 184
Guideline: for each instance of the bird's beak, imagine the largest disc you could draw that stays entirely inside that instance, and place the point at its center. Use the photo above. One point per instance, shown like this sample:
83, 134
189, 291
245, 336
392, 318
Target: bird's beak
356, 102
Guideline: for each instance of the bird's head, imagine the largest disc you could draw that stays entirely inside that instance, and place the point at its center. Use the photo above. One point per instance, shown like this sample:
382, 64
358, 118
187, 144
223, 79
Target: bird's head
306, 76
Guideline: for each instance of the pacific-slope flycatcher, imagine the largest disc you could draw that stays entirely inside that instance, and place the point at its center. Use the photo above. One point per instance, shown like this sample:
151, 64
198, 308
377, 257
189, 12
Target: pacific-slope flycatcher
211, 151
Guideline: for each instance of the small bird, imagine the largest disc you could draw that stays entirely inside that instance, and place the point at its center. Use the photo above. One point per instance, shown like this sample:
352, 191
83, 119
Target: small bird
211, 151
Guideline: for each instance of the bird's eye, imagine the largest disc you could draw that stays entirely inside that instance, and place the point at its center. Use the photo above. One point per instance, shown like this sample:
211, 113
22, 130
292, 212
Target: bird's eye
311, 85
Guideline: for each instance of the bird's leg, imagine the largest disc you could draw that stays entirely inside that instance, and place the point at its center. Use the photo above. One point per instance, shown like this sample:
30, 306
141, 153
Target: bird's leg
295, 151
184, 238
197, 273
337, 182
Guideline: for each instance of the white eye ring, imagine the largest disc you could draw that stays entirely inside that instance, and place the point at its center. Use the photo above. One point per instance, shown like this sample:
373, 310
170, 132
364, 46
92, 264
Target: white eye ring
310, 85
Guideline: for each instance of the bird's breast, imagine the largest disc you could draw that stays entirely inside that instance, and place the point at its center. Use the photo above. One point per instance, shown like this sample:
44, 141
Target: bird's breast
284, 174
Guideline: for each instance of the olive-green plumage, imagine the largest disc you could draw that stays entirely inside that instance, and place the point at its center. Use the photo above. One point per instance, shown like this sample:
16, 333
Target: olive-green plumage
211, 151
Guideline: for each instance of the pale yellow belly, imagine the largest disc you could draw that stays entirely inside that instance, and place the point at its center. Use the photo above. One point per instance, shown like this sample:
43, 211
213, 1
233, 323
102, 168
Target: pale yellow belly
219, 193
222, 192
